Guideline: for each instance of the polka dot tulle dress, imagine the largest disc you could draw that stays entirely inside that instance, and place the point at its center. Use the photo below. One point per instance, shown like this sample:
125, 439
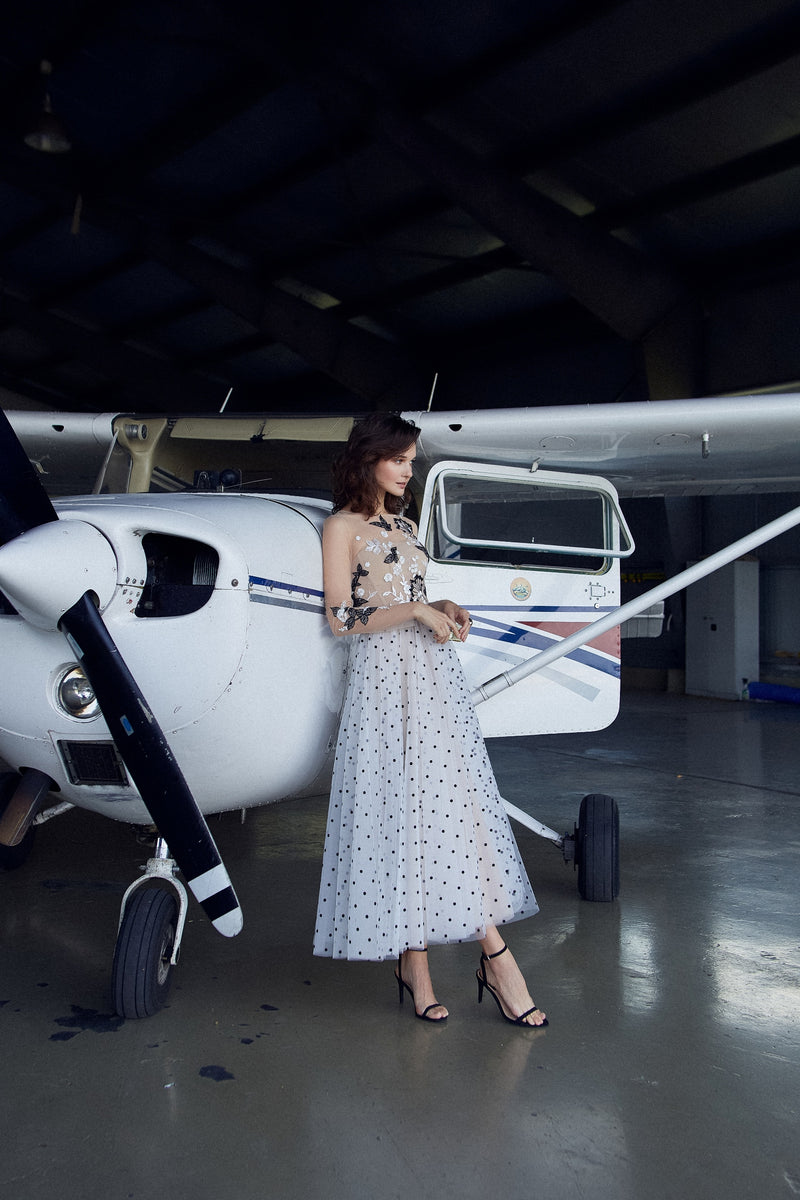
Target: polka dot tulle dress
418, 848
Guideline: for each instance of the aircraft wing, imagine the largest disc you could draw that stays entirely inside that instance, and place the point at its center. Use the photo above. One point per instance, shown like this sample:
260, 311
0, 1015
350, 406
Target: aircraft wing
67, 449
707, 446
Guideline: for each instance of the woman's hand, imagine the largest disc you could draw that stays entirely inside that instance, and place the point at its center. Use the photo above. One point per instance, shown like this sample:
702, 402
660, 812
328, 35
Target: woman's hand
443, 626
459, 618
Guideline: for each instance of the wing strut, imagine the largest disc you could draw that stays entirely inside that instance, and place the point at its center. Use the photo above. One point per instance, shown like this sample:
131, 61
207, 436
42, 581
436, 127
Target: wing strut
507, 679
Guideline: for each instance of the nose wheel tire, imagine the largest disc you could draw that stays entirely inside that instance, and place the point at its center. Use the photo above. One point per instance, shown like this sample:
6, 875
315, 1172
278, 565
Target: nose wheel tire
597, 848
142, 969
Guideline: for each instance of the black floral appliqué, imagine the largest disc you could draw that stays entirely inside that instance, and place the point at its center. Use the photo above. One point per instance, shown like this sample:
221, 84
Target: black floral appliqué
416, 588
404, 526
382, 523
392, 557
347, 615
358, 575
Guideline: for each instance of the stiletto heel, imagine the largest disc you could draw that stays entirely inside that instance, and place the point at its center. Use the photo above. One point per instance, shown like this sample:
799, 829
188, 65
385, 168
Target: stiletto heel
483, 982
403, 986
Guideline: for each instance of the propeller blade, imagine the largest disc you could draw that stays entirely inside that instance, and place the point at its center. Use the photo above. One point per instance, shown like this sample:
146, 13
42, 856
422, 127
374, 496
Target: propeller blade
147, 755
24, 505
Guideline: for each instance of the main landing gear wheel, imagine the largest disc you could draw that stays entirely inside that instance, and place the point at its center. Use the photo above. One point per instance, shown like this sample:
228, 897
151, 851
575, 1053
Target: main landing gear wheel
12, 857
142, 970
597, 848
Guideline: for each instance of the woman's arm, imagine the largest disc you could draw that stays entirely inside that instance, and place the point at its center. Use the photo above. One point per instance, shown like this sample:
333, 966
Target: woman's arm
347, 617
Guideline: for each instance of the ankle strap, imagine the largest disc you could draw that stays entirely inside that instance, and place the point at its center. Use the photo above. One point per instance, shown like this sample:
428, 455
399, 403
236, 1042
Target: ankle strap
496, 954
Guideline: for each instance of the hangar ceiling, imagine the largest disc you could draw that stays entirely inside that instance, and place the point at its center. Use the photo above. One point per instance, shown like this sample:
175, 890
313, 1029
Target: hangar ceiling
327, 206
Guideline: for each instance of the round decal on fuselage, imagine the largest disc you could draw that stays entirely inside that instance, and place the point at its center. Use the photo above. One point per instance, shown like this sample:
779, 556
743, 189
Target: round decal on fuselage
520, 588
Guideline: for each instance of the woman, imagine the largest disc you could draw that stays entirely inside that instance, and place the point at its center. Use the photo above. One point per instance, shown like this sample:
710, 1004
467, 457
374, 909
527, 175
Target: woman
418, 848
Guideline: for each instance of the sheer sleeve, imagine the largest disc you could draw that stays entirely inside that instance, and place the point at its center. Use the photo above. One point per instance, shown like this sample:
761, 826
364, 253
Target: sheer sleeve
348, 612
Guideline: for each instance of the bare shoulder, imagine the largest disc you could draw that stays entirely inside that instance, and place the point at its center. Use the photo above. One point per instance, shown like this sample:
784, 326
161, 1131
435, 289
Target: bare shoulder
335, 520
343, 519
341, 527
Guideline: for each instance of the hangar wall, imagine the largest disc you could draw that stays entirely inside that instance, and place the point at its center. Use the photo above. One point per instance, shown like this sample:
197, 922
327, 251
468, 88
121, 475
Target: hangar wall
671, 533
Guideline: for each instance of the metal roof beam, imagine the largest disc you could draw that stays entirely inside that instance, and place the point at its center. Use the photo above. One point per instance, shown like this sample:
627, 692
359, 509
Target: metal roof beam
358, 360
371, 367
612, 280
105, 355
773, 41
702, 185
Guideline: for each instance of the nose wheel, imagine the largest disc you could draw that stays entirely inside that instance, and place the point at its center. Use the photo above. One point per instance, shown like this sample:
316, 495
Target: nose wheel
149, 937
142, 970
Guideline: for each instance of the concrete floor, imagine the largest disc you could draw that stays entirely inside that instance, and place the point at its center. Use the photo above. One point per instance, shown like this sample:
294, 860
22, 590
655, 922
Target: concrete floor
671, 1066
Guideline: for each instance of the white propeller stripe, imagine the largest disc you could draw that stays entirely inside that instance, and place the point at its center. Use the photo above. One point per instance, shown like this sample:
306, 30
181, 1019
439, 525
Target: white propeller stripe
210, 882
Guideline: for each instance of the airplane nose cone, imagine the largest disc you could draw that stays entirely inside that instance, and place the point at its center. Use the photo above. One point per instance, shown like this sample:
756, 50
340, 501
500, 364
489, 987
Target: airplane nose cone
45, 571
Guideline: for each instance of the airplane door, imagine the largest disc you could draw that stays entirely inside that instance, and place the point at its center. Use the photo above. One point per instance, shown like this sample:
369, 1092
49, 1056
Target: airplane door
533, 556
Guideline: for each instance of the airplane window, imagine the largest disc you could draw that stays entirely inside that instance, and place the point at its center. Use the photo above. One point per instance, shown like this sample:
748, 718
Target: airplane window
181, 574
522, 525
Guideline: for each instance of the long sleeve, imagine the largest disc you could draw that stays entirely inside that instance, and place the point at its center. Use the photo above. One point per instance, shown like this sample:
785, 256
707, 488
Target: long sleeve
349, 605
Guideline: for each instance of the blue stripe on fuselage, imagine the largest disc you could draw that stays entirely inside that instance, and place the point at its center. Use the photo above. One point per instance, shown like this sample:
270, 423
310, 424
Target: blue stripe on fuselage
313, 601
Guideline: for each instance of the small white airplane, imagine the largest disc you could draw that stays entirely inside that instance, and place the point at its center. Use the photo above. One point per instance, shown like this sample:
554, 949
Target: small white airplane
168, 638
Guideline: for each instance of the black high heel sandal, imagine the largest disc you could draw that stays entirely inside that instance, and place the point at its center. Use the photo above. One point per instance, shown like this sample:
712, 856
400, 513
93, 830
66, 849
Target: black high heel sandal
401, 985
483, 982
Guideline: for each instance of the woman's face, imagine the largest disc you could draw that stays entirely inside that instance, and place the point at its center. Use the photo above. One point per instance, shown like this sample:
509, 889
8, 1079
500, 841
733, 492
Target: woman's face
392, 475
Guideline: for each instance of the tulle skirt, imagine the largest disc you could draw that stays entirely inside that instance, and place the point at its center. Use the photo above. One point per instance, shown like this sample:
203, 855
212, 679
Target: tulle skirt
418, 848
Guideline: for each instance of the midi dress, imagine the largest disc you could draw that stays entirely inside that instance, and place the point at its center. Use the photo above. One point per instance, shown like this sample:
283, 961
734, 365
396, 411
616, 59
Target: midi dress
418, 846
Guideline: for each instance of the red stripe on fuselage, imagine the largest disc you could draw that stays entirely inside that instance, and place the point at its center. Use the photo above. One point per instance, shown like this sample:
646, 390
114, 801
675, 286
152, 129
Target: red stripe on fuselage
608, 642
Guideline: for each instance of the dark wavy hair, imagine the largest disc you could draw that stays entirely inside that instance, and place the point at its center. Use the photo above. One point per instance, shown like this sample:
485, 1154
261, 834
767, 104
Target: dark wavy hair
373, 438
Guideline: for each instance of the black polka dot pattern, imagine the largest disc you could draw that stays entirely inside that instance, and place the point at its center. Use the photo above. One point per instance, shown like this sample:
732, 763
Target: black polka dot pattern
418, 849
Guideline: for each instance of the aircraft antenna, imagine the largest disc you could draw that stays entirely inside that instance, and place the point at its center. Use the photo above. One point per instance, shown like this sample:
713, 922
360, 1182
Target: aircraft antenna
433, 389
227, 398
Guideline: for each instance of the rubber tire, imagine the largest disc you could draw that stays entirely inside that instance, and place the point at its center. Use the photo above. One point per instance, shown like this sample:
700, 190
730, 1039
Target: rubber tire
597, 834
12, 857
142, 973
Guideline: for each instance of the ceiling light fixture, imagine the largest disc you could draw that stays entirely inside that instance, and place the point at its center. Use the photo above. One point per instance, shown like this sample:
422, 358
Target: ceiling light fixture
47, 133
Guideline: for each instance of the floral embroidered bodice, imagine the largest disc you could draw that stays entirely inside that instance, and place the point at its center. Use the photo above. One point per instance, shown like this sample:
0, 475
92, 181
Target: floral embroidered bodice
388, 566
